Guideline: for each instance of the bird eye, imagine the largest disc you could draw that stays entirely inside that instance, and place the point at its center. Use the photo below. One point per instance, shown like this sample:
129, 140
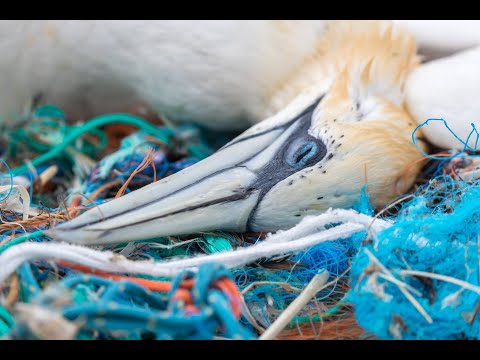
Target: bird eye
302, 152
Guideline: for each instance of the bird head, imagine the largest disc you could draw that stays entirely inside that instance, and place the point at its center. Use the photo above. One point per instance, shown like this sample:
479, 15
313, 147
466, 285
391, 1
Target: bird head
336, 125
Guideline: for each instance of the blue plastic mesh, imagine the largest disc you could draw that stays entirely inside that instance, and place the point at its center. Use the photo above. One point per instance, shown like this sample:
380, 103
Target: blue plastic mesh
436, 232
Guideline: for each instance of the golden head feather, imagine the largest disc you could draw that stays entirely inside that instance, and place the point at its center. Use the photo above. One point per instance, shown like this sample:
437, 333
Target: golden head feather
375, 56
360, 68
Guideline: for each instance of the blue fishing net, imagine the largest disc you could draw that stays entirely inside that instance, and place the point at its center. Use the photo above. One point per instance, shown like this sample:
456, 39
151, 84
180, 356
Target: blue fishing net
437, 232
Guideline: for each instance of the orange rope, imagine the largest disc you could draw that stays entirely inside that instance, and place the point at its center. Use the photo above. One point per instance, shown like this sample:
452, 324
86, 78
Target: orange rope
182, 294
229, 288
152, 285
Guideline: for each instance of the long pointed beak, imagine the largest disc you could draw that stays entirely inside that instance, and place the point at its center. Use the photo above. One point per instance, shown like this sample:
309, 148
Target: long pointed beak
218, 193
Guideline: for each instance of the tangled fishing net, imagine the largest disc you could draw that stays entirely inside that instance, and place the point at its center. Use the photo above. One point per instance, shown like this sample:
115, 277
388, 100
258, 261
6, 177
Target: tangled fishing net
419, 279
410, 272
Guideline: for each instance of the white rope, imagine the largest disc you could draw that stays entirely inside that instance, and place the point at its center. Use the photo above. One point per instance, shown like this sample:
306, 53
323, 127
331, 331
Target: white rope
108, 261
313, 224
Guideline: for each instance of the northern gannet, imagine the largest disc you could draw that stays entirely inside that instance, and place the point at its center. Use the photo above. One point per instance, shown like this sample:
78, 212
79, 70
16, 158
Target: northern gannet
337, 123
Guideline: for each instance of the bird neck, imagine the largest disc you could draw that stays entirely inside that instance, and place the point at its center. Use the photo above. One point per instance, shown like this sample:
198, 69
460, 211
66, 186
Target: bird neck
371, 57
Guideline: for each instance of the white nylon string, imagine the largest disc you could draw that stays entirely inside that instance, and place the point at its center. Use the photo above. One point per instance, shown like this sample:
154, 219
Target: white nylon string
306, 234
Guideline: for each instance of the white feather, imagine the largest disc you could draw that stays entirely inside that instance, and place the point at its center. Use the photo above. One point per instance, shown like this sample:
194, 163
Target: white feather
215, 72
438, 38
447, 88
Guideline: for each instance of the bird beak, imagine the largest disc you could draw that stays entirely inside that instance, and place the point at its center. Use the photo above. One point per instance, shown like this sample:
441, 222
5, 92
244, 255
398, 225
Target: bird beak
218, 193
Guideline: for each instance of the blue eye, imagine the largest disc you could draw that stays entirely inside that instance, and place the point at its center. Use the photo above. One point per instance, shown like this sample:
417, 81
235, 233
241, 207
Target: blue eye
300, 152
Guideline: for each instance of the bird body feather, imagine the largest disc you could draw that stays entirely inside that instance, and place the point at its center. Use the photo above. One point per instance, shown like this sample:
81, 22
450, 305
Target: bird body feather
448, 89
219, 73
